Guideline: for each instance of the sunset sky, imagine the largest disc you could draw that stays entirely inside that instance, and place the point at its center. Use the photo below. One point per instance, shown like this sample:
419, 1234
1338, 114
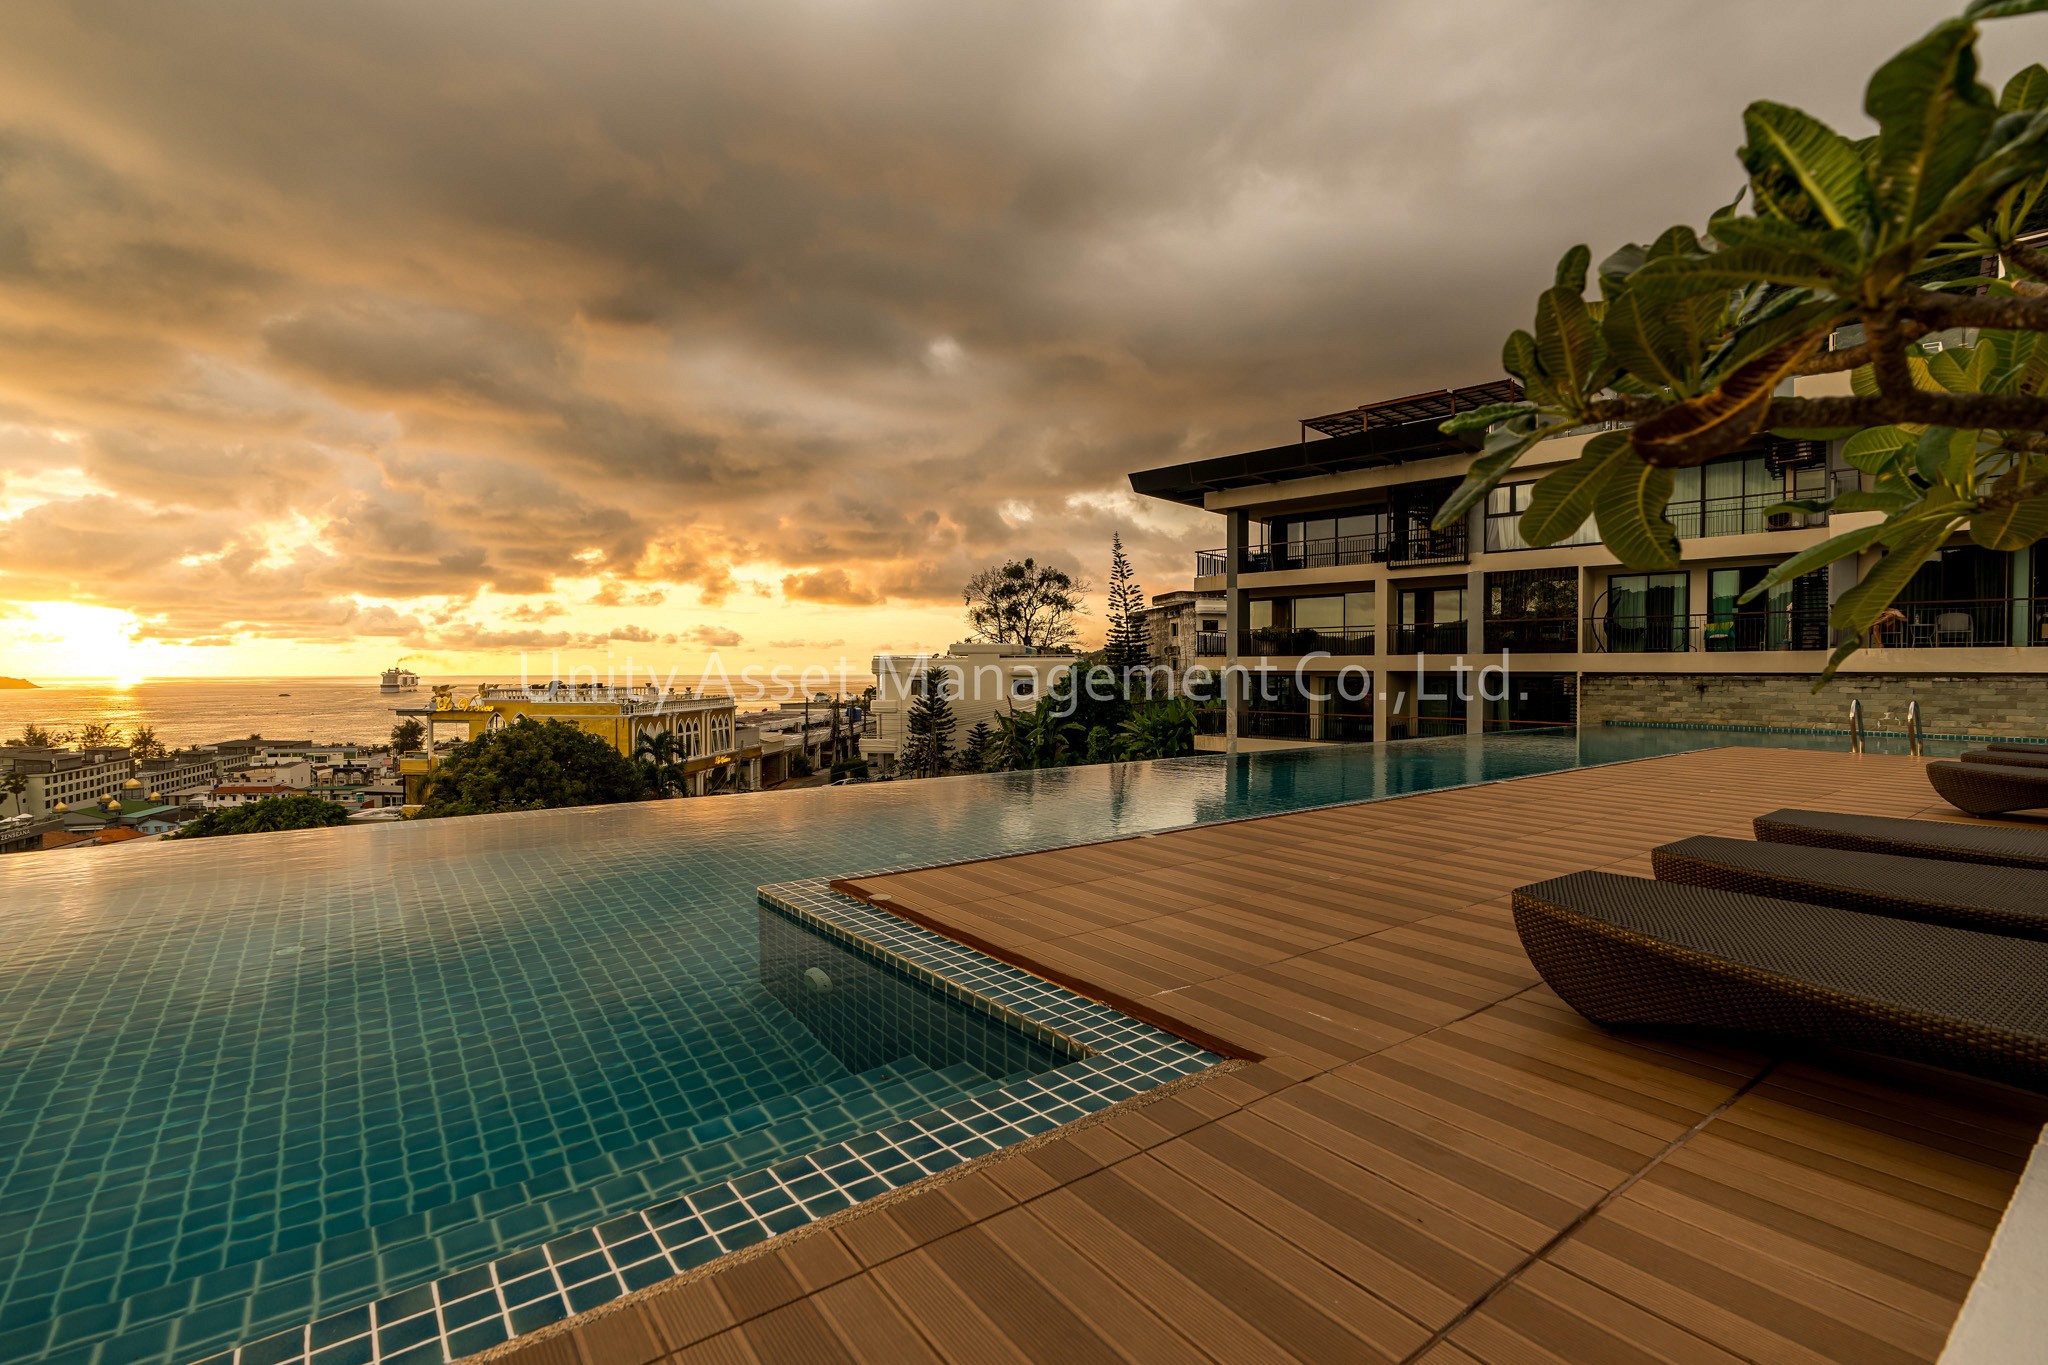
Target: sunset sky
342, 332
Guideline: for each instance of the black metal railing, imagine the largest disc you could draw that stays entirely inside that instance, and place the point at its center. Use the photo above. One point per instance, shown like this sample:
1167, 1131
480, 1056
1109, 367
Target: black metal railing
1210, 644
1439, 637
1212, 563
1988, 622
1534, 635
1424, 546
1708, 633
1742, 515
1348, 640
1323, 553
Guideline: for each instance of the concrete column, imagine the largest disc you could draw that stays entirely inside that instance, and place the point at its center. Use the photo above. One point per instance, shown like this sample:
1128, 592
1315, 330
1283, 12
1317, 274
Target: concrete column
1475, 648
1235, 526
2020, 587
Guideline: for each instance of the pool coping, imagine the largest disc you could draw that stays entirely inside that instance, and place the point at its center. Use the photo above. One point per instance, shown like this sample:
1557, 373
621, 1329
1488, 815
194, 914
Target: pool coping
511, 1296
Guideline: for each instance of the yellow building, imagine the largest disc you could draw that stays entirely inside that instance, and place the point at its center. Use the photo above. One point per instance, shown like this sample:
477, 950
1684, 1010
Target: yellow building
621, 716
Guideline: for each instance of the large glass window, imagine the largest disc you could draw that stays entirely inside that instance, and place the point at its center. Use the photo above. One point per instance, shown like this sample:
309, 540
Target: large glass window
1314, 540
1735, 496
1791, 616
1504, 508
1532, 609
1332, 623
1647, 613
1431, 621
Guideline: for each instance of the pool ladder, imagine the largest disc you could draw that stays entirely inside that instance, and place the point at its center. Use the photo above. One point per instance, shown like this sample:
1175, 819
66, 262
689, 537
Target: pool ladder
1916, 741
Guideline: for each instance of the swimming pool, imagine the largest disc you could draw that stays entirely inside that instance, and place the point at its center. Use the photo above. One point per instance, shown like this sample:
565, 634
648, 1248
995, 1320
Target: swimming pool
244, 1085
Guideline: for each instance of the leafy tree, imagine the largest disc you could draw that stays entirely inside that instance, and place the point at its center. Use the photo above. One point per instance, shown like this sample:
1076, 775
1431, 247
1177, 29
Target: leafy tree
531, 765
1914, 231
1042, 737
34, 736
661, 757
1159, 729
262, 817
1102, 746
94, 734
981, 753
144, 743
1129, 644
15, 783
409, 735
1024, 603
928, 728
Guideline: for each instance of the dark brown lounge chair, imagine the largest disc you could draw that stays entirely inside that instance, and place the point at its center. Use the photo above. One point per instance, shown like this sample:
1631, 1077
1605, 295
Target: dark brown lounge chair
2018, 748
1996, 900
2001, 845
1988, 789
1625, 951
2005, 757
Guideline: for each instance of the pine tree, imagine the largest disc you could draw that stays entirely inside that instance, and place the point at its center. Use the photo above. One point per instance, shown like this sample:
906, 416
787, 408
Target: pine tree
928, 730
981, 754
1129, 644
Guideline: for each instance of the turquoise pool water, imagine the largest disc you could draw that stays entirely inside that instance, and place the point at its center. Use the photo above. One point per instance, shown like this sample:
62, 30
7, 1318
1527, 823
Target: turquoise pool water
247, 1083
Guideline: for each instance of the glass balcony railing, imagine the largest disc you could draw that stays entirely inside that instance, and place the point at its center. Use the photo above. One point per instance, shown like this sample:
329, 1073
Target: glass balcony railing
1348, 640
1437, 637
1741, 632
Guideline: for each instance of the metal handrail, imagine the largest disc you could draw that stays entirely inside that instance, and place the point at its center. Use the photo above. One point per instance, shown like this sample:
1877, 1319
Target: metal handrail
1855, 725
1914, 743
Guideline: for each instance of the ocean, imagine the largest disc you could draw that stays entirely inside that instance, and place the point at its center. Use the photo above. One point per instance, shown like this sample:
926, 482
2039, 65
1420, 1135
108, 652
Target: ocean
187, 711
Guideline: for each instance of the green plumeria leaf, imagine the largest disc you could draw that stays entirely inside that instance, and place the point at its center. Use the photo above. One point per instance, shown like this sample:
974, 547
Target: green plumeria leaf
1564, 498
1572, 267
2003, 9
1816, 557
1877, 450
1652, 343
1906, 549
1888, 499
1479, 419
1738, 267
1505, 444
2011, 528
1824, 163
2028, 89
1719, 421
1932, 117
1568, 344
1629, 507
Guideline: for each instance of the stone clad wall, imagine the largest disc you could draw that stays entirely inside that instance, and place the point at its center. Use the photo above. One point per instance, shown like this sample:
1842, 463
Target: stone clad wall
2014, 704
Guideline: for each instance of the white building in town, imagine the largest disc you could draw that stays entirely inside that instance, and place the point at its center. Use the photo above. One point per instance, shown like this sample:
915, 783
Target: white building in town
983, 681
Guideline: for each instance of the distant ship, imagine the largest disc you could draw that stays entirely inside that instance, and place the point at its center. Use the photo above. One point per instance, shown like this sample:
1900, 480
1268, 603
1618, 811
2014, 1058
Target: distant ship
398, 680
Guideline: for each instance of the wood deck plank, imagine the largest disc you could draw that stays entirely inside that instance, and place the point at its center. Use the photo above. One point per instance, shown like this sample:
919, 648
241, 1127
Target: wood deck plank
1434, 1143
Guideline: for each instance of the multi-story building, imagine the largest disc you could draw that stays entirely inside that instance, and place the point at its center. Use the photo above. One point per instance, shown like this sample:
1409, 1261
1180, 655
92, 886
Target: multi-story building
59, 779
983, 682
621, 716
186, 772
1185, 629
1334, 580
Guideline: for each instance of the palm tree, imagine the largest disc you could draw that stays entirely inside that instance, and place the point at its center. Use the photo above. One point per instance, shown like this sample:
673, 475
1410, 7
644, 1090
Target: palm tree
14, 784
658, 752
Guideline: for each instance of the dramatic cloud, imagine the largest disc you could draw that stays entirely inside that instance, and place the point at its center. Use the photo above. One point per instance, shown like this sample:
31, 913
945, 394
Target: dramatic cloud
473, 326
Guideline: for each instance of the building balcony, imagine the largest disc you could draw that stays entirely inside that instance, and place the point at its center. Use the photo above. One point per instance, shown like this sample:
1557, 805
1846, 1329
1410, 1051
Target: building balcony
1289, 643
1419, 547
1533, 635
1707, 633
1982, 623
1433, 637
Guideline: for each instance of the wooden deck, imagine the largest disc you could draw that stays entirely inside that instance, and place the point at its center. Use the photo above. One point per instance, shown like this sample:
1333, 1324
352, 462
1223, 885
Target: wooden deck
1432, 1158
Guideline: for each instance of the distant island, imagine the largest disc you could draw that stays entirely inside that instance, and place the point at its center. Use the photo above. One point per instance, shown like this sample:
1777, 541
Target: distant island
6, 683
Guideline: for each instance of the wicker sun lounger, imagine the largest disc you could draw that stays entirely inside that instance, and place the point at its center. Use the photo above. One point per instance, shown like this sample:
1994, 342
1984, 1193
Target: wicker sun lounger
1997, 900
2005, 757
1625, 951
1989, 789
2018, 748
2003, 846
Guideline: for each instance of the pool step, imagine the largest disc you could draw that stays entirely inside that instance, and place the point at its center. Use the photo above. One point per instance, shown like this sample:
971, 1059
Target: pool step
353, 1268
